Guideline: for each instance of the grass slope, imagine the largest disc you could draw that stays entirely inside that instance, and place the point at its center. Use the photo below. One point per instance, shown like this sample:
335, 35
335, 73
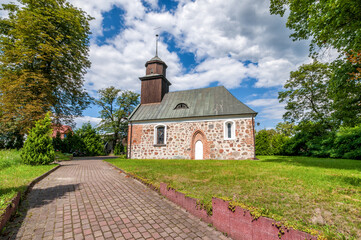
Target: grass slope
323, 194
15, 176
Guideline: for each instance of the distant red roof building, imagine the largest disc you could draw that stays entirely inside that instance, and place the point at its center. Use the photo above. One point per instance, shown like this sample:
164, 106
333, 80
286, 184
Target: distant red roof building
62, 129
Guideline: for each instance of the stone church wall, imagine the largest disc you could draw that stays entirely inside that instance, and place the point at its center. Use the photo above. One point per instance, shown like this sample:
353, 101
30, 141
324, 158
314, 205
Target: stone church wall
181, 137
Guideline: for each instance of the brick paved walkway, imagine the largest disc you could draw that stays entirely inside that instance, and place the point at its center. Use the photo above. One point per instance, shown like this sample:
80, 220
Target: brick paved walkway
88, 199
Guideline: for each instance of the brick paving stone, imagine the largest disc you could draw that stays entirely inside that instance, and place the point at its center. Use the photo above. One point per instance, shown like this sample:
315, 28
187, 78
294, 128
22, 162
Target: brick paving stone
88, 199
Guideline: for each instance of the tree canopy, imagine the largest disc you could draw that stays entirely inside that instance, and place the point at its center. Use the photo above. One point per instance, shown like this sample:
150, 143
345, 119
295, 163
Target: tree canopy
306, 94
44, 47
331, 23
116, 106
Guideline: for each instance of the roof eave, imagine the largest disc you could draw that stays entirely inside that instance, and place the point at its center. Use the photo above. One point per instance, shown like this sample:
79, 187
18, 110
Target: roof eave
154, 76
131, 115
192, 117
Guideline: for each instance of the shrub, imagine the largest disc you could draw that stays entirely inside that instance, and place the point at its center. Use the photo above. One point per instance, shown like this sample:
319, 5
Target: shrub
58, 143
263, 143
38, 148
278, 142
347, 143
89, 141
269, 142
11, 140
119, 149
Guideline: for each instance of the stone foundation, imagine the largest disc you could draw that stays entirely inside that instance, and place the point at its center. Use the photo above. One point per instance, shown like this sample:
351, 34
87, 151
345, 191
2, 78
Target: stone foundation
181, 138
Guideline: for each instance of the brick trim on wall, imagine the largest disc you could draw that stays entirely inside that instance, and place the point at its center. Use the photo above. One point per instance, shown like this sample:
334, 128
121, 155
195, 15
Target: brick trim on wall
199, 135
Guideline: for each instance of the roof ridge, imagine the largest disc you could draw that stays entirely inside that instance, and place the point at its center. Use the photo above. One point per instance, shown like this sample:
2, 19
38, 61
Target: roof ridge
197, 89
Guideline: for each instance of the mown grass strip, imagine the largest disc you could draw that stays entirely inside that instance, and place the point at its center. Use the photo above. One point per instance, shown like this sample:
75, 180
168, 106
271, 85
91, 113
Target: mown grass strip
15, 177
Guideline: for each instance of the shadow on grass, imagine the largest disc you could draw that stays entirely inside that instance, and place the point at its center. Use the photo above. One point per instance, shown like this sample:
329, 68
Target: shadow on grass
346, 164
5, 191
35, 199
354, 181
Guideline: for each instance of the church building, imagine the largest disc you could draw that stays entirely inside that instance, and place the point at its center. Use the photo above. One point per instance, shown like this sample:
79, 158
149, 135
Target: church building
206, 123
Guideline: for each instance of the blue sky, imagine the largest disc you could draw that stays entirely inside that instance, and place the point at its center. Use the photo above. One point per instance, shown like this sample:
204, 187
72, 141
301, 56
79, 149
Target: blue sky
234, 43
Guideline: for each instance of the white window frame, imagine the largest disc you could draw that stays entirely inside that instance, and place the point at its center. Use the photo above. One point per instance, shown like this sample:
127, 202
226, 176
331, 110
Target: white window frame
233, 130
155, 134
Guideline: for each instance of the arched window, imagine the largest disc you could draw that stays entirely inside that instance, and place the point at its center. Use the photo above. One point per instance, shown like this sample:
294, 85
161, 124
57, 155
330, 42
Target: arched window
160, 135
229, 130
181, 106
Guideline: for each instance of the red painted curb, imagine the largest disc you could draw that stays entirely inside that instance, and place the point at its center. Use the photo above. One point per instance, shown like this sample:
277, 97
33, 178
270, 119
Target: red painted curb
238, 224
13, 205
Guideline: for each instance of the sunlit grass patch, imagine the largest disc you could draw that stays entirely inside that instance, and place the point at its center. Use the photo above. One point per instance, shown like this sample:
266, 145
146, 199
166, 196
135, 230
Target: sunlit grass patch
15, 176
308, 193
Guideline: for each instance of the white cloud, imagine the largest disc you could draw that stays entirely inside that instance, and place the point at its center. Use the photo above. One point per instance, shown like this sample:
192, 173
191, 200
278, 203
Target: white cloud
270, 108
273, 112
263, 102
79, 121
222, 35
271, 72
226, 71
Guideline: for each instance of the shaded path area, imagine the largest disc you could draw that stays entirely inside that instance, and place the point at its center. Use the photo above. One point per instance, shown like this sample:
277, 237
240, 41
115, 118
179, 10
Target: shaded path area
88, 199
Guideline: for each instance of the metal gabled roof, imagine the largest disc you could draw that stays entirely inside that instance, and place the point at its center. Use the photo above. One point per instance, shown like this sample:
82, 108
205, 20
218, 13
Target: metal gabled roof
203, 102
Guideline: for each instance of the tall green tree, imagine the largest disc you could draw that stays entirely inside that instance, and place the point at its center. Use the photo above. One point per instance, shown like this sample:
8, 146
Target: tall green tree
306, 95
286, 128
116, 107
44, 47
331, 24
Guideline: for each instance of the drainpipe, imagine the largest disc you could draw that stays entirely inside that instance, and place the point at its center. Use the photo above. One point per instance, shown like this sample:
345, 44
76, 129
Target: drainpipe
130, 142
254, 140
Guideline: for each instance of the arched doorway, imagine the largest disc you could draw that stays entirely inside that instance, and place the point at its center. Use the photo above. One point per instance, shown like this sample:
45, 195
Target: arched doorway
198, 151
199, 145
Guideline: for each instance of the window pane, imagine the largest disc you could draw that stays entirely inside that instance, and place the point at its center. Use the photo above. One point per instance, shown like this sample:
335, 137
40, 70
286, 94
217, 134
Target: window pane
160, 135
229, 128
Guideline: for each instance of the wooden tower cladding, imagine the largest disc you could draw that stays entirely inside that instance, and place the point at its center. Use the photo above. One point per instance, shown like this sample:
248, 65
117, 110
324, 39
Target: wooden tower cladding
154, 84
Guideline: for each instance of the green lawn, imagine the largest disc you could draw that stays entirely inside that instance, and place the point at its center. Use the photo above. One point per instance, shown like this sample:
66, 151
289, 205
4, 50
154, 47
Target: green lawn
15, 176
308, 193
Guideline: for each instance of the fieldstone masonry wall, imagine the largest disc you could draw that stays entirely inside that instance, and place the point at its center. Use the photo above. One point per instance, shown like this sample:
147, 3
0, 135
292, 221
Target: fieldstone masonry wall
181, 137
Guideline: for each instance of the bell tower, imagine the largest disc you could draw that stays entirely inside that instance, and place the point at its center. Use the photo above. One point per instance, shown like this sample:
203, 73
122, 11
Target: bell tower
154, 84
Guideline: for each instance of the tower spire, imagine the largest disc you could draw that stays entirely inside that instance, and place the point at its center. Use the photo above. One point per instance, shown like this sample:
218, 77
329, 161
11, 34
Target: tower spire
156, 44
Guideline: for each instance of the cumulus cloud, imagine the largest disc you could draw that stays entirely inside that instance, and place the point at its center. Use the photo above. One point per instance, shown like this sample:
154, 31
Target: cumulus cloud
271, 72
226, 33
270, 108
79, 121
231, 40
263, 102
222, 36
